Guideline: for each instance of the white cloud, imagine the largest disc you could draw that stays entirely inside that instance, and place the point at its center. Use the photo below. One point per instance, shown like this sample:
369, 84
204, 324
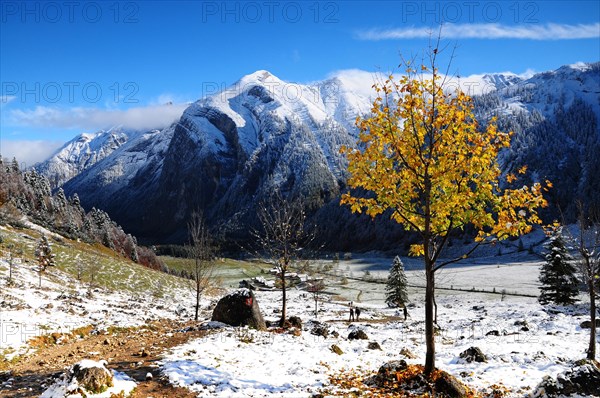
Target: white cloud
28, 152
550, 31
139, 118
527, 74
359, 81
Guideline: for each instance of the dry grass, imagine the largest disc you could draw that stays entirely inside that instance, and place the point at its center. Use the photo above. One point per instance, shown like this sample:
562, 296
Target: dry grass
352, 383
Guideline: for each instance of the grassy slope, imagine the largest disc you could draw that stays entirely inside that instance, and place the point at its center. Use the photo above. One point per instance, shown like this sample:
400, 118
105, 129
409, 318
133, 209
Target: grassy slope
114, 272
108, 269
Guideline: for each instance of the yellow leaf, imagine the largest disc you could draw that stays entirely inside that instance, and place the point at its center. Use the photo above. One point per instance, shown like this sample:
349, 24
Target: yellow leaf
416, 250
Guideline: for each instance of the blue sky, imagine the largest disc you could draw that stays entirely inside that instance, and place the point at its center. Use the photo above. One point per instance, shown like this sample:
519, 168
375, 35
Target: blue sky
70, 67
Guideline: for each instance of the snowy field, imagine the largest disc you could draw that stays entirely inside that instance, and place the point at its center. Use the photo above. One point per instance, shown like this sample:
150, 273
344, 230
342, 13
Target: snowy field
237, 362
63, 303
233, 362
27, 312
519, 275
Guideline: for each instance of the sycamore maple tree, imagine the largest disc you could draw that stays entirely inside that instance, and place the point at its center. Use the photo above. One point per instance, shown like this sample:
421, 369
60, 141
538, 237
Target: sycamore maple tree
422, 158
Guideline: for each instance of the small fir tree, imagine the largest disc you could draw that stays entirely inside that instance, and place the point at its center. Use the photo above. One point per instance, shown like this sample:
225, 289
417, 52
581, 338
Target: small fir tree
44, 255
396, 294
558, 274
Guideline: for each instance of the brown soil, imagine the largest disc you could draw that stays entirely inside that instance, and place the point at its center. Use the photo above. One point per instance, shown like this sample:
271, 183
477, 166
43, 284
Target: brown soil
134, 351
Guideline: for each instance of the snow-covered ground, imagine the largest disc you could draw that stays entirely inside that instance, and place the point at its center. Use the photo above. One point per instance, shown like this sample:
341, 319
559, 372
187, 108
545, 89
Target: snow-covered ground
234, 362
70, 388
237, 362
63, 303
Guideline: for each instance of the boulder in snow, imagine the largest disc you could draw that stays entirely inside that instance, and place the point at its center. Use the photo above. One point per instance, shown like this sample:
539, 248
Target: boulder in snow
373, 345
358, 335
239, 308
405, 352
583, 379
295, 322
387, 373
473, 354
320, 329
449, 386
588, 324
89, 377
92, 376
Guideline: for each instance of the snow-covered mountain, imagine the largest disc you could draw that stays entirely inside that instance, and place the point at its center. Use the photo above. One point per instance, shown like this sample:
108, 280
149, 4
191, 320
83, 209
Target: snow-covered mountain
225, 154
229, 151
545, 91
81, 153
555, 117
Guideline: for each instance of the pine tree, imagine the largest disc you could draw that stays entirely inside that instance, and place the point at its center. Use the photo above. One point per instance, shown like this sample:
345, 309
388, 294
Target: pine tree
396, 294
15, 166
45, 257
558, 274
60, 199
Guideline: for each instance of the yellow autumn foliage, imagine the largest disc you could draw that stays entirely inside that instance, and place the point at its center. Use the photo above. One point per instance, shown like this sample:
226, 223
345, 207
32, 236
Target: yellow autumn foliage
422, 156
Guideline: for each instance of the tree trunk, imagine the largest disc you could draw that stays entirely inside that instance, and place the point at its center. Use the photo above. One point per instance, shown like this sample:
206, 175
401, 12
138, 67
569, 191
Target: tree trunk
435, 307
197, 307
430, 278
284, 297
429, 317
591, 352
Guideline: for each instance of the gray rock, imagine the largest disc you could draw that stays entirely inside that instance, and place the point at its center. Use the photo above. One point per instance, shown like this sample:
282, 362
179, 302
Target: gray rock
583, 379
320, 330
373, 345
239, 308
473, 354
588, 324
387, 372
358, 335
95, 379
449, 386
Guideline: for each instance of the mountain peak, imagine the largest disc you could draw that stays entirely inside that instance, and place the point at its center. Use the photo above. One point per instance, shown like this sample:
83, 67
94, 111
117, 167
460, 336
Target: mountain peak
231, 149
260, 76
580, 66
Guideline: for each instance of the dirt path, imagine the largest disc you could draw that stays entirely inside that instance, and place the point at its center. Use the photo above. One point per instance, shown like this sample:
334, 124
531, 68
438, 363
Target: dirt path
134, 351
